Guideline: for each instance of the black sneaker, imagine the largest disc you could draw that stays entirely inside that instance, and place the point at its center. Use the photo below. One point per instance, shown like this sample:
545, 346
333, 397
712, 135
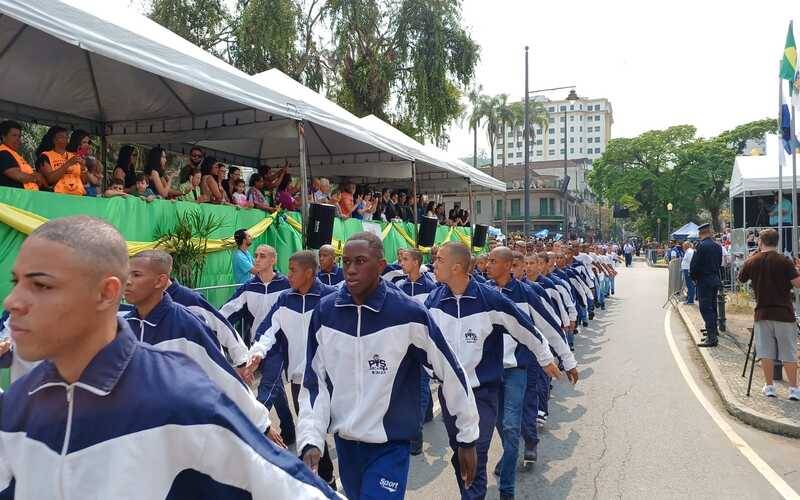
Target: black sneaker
586, 323
531, 455
497, 469
506, 496
591, 316
416, 446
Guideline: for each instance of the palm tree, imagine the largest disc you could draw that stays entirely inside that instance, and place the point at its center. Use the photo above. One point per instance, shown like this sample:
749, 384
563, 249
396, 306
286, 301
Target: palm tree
506, 116
475, 96
489, 114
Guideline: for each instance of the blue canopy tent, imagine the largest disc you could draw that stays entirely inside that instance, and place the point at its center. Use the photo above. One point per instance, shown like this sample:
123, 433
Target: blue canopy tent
544, 233
686, 232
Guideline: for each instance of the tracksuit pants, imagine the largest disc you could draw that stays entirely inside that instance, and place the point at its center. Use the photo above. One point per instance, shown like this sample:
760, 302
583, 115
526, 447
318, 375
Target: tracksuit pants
486, 399
509, 422
537, 395
373, 471
425, 399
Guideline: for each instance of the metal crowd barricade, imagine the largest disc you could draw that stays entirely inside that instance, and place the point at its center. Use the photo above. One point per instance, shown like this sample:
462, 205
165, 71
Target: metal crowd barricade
675, 282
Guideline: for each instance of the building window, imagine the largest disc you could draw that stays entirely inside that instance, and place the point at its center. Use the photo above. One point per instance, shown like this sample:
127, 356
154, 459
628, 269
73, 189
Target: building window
551, 120
562, 129
551, 109
580, 150
597, 107
561, 151
597, 118
478, 206
571, 150
519, 144
519, 154
572, 129
538, 152
580, 139
571, 139
562, 108
499, 208
551, 152
580, 129
515, 207
538, 131
562, 140
589, 139
510, 155
538, 142
551, 141
561, 119
546, 206
572, 118
597, 129
551, 131
596, 150
580, 107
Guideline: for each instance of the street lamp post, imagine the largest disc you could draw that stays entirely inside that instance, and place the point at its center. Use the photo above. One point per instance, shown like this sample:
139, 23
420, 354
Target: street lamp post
658, 229
669, 220
527, 179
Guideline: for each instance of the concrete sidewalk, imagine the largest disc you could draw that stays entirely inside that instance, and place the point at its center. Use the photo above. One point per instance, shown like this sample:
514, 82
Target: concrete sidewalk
725, 362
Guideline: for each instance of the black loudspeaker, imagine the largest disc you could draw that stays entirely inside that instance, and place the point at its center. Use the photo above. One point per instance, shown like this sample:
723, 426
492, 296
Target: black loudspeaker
479, 235
320, 225
427, 231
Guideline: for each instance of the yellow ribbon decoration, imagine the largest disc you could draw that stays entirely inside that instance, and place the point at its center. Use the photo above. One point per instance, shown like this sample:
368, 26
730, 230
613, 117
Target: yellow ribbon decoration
26, 222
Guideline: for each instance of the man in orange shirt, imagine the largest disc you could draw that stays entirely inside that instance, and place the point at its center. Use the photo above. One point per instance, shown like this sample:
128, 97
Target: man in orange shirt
346, 203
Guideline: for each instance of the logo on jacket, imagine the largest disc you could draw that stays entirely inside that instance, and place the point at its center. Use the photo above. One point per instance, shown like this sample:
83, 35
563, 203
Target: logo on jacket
377, 366
390, 486
470, 337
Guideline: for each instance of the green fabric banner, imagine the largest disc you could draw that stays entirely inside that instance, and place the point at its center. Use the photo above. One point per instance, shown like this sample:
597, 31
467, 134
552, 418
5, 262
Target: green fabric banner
138, 220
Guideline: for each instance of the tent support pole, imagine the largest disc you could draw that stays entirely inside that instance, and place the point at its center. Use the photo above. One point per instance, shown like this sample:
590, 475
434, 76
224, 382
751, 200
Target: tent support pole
104, 160
414, 200
303, 176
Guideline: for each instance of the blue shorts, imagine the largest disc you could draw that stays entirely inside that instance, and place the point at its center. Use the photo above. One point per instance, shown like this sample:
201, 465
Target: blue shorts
373, 471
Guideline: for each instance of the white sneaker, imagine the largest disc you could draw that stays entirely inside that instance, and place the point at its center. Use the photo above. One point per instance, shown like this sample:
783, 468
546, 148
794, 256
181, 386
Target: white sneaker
768, 391
794, 393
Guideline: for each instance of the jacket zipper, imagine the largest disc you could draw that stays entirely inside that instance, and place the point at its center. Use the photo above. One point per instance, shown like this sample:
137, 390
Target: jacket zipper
304, 331
461, 333
359, 370
67, 433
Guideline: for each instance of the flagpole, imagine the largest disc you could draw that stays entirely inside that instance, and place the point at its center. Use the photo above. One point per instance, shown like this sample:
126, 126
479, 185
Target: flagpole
781, 241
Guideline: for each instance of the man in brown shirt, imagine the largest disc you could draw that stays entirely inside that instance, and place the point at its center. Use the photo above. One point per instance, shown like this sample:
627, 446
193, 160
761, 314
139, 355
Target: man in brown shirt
772, 276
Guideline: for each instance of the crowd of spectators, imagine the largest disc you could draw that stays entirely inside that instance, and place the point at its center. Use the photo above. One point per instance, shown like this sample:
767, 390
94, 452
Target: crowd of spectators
65, 163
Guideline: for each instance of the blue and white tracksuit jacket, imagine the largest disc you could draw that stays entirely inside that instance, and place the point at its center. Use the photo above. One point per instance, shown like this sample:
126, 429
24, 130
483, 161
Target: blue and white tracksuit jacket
565, 289
555, 298
199, 306
531, 303
140, 422
363, 370
585, 277
172, 327
393, 272
474, 323
254, 299
282, 338
332, 278
418, 290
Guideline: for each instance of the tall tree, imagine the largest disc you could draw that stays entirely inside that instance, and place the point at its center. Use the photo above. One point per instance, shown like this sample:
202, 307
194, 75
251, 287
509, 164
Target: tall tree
205, 23
506, 117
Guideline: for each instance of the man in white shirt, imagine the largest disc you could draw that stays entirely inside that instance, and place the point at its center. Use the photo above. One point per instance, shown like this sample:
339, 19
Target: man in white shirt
686, 262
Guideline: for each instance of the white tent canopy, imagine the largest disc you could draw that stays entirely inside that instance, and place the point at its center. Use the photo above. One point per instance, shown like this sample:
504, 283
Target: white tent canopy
429, 159
753, 174
98, 65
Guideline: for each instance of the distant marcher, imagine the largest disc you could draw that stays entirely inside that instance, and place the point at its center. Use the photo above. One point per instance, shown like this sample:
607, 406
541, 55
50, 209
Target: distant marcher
704, 269
628, 250
242, 260
685, 266
772, 276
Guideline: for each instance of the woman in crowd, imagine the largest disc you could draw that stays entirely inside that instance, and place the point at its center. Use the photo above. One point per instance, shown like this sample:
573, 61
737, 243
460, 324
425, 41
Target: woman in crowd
430, 210
158, 179
440, 213
190, 185
254, 194
15, 171
80, 143
124, 170
64, 171
209, 184
234, 174
284, 195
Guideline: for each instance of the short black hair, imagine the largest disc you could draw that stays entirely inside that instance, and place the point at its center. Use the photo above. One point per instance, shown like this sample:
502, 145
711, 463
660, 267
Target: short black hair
7, 126
374, 242
141, 177
239, 236
305, 258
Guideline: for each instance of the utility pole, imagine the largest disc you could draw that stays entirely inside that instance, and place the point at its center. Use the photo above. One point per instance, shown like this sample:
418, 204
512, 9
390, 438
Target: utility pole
527, 189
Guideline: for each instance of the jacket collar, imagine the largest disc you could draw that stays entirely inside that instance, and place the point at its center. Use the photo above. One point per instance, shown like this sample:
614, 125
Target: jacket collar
334, 270
471, 292
158, 312
374, 302
104, 370
316, 289
512, 284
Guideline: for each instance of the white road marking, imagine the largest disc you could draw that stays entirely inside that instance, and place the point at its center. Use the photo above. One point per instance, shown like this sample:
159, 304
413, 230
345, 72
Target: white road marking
741, 445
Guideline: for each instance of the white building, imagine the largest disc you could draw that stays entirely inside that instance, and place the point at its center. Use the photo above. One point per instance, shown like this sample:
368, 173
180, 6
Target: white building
580, 125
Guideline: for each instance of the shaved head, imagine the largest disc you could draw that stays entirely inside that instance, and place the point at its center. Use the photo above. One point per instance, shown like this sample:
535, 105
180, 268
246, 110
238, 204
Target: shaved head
158, 260
502, 253
327, 250
459, 253
96, 242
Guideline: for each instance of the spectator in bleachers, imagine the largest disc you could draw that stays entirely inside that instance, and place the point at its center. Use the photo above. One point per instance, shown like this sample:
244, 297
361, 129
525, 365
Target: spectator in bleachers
80, 143
124, 169
440, 213
254, 194
157, 178
209, 183
430, 210
117, 188
229, 183
94, 176
15, 171
190, 185
142, 189
238, 197
346, 202
284, 194
64, 171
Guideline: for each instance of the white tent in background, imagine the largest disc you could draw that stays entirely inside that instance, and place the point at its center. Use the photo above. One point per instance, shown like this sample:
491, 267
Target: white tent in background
759, 174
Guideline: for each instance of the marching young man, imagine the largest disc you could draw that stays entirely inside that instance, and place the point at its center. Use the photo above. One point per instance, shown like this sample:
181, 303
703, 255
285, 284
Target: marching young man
282, 338
473, 318
367, 345
118, 417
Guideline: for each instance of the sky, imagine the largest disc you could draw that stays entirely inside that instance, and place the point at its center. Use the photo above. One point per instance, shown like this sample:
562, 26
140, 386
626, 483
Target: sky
709, 63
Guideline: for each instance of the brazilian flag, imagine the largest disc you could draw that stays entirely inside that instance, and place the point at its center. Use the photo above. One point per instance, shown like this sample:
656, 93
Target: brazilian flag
789, 62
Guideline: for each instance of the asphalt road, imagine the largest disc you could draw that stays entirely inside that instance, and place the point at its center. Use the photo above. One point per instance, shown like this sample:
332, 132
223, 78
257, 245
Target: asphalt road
632, 427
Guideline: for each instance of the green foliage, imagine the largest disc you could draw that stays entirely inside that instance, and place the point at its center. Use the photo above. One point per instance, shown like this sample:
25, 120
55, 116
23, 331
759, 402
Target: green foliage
647, 172
205, 23
266, 36
187, 242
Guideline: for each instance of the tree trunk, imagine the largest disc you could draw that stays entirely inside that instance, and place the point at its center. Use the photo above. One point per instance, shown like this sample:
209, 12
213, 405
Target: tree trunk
715, 222
494, 214
505, 193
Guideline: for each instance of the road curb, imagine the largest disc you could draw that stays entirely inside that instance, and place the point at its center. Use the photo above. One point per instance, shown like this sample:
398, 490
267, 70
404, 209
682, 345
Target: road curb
747, 415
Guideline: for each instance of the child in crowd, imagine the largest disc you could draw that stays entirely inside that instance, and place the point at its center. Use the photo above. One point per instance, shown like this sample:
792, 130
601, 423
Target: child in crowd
239, 198
142, 190
117, 188
190, 187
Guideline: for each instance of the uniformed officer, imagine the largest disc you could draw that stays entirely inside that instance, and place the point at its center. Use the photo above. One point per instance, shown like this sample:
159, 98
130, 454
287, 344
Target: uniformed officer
705, 271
